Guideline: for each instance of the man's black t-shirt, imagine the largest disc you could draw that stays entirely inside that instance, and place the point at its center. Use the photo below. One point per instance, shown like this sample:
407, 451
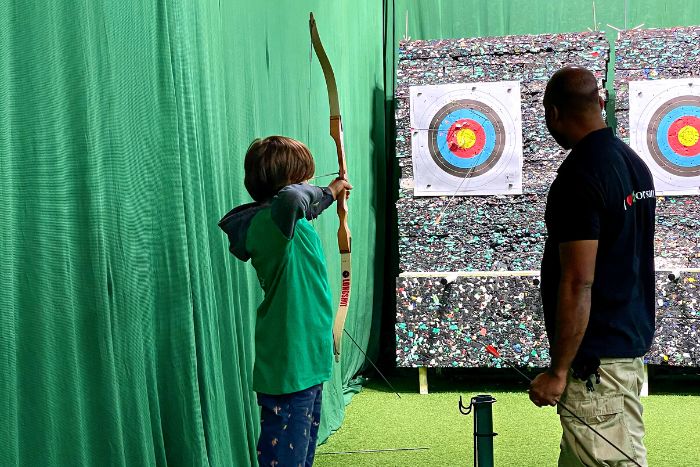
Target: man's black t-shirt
603, 191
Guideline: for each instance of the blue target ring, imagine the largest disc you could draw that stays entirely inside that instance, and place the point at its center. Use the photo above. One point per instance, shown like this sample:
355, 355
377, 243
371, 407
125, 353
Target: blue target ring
662, 135
493, 138
489, 144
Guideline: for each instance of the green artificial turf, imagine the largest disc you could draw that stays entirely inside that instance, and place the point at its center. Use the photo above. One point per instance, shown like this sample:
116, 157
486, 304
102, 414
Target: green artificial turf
527, 435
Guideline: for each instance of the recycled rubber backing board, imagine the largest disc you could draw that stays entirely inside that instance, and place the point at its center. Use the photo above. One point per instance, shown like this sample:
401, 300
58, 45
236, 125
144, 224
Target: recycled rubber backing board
482, 233
672, 55
441, 326
655, 54
446, 325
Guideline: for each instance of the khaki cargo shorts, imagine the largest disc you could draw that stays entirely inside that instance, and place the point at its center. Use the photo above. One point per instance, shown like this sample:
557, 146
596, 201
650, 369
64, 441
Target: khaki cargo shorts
613, 409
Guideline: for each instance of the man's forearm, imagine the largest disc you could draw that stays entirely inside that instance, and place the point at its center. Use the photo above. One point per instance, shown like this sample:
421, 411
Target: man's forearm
573, 310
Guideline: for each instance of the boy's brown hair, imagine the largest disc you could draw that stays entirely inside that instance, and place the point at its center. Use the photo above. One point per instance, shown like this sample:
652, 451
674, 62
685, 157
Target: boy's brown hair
275, 162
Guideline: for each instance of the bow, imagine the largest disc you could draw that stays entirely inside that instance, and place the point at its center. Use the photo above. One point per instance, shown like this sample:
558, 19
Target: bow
344, 237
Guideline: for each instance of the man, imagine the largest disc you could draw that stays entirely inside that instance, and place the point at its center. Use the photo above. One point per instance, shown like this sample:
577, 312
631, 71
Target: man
597, 279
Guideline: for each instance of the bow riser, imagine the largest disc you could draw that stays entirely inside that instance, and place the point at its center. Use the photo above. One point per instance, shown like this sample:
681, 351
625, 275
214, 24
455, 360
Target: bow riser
344, 237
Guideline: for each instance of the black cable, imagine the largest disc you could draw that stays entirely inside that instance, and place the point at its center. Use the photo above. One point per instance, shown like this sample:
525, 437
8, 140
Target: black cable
370, 361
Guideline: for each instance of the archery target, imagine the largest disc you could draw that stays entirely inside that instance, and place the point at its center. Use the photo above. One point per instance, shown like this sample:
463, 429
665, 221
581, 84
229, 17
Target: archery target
466, 139
665, 132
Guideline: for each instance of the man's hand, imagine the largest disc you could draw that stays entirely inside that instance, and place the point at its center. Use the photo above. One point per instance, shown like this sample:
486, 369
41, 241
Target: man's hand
547, 388
338, 185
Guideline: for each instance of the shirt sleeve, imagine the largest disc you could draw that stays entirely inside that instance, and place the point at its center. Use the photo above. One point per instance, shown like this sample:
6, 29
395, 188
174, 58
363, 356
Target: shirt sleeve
577, 213
292, 203
316, 209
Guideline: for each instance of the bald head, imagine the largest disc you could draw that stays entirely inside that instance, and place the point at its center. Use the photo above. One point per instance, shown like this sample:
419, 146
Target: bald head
573, 90
572, 105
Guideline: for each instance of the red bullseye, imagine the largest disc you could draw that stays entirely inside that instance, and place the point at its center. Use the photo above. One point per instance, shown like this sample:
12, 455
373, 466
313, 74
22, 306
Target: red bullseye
683, 136
466, 138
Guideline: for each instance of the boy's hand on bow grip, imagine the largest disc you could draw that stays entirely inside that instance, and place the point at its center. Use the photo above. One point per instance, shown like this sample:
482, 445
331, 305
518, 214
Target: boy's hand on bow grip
338, 185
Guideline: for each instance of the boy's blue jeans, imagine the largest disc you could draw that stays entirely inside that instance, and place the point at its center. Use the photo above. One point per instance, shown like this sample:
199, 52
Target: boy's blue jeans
289, 428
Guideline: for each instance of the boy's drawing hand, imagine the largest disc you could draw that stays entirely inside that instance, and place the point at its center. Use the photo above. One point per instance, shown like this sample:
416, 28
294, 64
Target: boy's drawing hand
338, 185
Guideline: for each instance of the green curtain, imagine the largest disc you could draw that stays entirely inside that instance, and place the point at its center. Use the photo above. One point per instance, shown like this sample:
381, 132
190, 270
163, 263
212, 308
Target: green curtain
125, 325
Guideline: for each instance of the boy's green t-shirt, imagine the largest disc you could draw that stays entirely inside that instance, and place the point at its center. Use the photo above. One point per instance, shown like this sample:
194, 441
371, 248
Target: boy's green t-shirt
293, 330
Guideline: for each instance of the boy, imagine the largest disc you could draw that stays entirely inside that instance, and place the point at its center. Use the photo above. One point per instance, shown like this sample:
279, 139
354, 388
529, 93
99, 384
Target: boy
293, 330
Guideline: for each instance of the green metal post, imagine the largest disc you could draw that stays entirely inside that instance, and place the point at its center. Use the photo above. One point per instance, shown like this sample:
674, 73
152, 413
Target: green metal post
483, 430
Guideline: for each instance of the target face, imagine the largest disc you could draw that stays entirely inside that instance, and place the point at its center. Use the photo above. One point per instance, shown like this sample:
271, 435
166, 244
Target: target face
665, 132
466, 139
